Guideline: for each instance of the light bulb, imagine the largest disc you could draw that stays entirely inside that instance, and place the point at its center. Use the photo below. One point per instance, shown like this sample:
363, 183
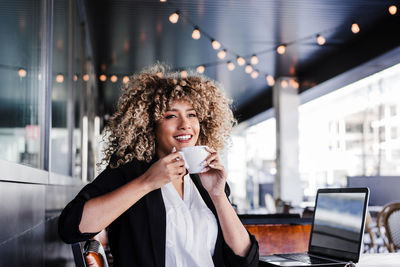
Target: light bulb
355, 28
163, 1
281, 49
254, 74
240, 61
284, 84
320, 39
201, 69
270, 80
174, 17
86, 77
215, 44
125, 79
393, 10
103, 77
196, 33
22, 73
294, 84
184, 74
231, 66
254, 60
60, 78
114, 78
248, 69
222, 54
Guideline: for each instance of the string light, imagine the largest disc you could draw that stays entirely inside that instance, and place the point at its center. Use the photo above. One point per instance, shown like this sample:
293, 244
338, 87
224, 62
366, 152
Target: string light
163, 1
86, 77
270, 80
114, 78
240, 61
215, 44
39, 76
320, 39
103, 77
281, 49
355, 28
184, 74
75, 78
294, 83
22, 73
248, 69
201, 69
393, 10
60, 78
222, 54
254, 60
174, 17
125, 79
231, 66
254, 74
160, 74
196, 33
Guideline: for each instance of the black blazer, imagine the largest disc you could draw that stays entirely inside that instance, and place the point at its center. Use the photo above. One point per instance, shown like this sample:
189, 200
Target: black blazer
137, 237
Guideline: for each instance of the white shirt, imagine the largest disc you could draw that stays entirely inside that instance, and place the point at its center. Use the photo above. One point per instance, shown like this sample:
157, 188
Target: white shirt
191, 227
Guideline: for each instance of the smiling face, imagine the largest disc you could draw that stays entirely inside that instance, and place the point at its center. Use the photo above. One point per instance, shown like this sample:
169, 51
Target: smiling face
179, 127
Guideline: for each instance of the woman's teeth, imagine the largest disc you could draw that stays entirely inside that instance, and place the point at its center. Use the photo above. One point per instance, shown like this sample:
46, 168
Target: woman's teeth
183, 137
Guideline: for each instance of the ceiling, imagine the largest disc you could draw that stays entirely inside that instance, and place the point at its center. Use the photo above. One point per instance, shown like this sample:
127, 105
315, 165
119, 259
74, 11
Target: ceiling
130, 35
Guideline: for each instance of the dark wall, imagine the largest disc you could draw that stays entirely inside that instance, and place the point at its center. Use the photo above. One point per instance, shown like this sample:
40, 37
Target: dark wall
28, 232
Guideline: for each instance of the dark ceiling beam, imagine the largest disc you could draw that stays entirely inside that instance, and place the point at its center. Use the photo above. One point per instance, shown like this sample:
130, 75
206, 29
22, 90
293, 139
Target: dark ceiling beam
381, 38
260, 103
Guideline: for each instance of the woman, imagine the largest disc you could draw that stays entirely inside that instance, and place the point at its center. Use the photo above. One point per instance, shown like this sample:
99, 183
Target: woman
156, 214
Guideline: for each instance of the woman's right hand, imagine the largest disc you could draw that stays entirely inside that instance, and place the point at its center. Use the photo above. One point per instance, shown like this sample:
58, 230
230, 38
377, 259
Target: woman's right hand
165, 170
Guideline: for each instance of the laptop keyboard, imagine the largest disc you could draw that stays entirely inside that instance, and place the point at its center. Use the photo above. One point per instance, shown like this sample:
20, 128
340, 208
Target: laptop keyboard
304, 258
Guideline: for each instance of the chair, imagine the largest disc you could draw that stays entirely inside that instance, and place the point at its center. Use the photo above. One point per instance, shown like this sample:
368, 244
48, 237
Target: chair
389, 225
92, 253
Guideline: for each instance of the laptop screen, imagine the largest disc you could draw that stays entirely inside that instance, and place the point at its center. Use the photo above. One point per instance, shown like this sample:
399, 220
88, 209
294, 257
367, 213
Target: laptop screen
339, 222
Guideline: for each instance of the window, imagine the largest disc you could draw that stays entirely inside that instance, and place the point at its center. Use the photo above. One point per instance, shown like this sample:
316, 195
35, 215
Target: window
22, 82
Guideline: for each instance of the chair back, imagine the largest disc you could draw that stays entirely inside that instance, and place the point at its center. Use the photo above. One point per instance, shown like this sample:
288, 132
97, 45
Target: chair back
79, 259
91, 254
389, 220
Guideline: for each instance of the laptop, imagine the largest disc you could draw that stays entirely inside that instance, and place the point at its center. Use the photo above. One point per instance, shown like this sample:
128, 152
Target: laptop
336, 232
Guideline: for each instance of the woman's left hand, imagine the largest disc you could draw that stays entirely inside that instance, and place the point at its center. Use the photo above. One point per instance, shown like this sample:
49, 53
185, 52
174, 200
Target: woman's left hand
213, 177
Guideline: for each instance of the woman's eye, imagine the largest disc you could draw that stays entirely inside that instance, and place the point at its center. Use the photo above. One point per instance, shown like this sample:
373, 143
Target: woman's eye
192, 115
170, 116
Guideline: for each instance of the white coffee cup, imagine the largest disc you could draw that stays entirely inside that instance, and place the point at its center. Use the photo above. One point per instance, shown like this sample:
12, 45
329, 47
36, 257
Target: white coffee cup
194, 157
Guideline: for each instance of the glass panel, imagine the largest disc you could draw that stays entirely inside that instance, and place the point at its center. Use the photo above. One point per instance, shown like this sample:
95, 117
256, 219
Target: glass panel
60, 161
79, 87
351, 132
21, 81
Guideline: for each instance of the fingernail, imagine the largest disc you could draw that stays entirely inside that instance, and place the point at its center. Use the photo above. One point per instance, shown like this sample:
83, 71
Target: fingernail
211, 165
173, 150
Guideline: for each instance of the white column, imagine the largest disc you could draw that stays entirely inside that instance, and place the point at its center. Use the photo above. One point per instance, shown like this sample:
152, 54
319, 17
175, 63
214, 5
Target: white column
286, 103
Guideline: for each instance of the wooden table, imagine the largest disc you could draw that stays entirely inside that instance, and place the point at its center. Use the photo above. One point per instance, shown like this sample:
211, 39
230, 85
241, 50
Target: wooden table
280, 238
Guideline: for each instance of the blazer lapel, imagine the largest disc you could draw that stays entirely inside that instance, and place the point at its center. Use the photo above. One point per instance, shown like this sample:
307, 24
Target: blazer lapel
157, 222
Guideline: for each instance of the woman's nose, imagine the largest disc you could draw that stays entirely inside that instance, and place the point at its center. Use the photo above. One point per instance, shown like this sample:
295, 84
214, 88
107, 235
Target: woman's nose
185, 124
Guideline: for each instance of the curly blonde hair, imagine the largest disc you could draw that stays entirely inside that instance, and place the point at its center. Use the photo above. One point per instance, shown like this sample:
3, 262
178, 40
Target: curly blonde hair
147, 96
